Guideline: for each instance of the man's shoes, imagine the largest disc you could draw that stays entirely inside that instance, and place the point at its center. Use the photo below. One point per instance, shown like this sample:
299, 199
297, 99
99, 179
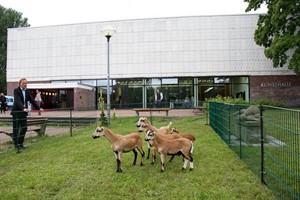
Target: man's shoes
20, 147
23, 147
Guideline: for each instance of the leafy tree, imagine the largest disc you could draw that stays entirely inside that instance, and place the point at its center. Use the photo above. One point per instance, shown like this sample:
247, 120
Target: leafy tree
279, 31
9, 18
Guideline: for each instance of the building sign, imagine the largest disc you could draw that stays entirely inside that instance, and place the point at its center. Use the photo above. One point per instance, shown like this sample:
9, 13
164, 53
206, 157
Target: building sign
276, 85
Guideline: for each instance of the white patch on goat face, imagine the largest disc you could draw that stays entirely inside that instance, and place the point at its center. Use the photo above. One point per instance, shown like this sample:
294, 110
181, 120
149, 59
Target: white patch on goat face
141, 121
98, 132
174, 131
142, 127
149, 136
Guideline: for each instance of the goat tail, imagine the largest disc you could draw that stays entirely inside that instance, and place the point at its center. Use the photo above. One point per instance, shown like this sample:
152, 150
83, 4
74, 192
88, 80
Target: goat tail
192, 148
169, 125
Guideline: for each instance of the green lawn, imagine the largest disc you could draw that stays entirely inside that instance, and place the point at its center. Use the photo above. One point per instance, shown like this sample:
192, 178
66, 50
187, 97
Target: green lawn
79, 167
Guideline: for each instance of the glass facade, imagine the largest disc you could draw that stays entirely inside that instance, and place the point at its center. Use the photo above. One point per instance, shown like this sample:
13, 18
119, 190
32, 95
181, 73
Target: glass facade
177, 92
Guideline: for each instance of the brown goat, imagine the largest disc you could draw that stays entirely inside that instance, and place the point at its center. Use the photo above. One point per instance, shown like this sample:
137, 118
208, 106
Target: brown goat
146, 127
171, 147
184, 135
144, 124
122, 144
175, 131
144, 120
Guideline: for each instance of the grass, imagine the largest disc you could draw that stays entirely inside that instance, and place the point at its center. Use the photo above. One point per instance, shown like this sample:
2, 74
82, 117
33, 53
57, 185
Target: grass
78, 167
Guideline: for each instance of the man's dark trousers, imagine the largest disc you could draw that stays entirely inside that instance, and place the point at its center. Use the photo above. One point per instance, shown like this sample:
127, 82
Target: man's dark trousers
19, 128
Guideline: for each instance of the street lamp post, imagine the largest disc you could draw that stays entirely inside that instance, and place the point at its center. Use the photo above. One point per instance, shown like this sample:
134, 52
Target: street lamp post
108, 32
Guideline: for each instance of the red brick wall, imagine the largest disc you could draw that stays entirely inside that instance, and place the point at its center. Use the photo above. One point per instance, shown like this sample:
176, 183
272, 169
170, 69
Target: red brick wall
12, 85
10, 88
285, 89
84, 99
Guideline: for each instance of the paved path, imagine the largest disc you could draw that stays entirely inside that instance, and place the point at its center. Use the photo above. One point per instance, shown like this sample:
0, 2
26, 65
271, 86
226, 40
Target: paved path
96, 113
87, 114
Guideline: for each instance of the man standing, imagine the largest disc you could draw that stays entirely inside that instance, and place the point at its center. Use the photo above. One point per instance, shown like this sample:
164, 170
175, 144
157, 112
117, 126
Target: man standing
38, 99
20, 111
158, 98
2, 103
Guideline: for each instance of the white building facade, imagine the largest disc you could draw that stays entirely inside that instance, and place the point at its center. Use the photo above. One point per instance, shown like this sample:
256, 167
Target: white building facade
187, 57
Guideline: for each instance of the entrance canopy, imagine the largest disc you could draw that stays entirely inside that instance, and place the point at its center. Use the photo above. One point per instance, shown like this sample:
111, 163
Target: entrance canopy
58, 86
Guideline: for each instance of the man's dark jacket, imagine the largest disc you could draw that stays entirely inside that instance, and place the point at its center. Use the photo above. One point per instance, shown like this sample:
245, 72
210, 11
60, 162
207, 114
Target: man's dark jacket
19, 101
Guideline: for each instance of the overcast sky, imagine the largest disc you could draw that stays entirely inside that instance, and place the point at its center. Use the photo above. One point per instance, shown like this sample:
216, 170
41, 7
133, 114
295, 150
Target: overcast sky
56, 12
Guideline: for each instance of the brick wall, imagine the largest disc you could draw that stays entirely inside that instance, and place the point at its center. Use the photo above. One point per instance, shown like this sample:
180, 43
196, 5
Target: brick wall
84, 99
285, 89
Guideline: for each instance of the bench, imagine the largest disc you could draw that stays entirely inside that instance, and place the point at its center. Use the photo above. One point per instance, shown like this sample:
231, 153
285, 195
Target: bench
198, 109
36, 125
138, 110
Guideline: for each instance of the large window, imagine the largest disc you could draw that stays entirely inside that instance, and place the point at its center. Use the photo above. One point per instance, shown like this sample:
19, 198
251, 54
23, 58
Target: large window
210, 87
127, 93
177, 92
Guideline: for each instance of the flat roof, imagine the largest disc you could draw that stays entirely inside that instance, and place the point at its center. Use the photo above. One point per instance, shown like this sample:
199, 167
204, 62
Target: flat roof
58, 86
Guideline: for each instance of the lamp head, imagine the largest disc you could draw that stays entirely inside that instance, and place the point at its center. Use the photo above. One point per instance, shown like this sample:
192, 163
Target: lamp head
108, 31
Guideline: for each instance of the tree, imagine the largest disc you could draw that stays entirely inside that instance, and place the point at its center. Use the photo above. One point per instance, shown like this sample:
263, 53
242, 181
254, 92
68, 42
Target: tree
278, 31
9, 18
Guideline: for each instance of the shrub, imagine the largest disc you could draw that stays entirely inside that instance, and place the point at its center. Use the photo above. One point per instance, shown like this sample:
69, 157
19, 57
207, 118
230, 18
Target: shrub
103, 118
240, 100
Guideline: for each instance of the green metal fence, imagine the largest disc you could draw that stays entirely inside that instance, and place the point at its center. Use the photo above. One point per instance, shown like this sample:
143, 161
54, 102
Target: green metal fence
267, 139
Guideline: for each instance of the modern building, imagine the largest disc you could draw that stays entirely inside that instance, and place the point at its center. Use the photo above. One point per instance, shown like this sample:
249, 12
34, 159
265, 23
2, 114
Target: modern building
189, 58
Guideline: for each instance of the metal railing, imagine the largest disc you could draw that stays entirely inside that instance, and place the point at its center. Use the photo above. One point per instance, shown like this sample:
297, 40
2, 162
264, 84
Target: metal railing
267, 139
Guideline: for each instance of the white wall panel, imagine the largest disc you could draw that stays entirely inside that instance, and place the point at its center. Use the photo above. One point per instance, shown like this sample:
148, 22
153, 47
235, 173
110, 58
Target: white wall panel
182, 46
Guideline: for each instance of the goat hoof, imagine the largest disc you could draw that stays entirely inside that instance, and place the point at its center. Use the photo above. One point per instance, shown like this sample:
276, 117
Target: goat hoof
191, 169
161, 171
183, 168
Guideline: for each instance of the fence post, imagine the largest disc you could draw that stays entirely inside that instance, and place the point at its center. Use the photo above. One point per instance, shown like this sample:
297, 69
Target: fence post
229, 127
240, 132
71, 122
262, 167
206, 110
151, 113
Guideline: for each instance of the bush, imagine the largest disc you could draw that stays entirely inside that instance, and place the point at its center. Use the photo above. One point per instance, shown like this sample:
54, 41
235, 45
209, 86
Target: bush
240, 100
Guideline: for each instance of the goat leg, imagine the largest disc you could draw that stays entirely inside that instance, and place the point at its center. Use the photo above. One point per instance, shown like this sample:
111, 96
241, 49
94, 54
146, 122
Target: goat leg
148, 156
135, 156
149, 147
153, 155
162, 162
185, 163
143, 155
118, 156
191, 163
172, 157
119, 169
